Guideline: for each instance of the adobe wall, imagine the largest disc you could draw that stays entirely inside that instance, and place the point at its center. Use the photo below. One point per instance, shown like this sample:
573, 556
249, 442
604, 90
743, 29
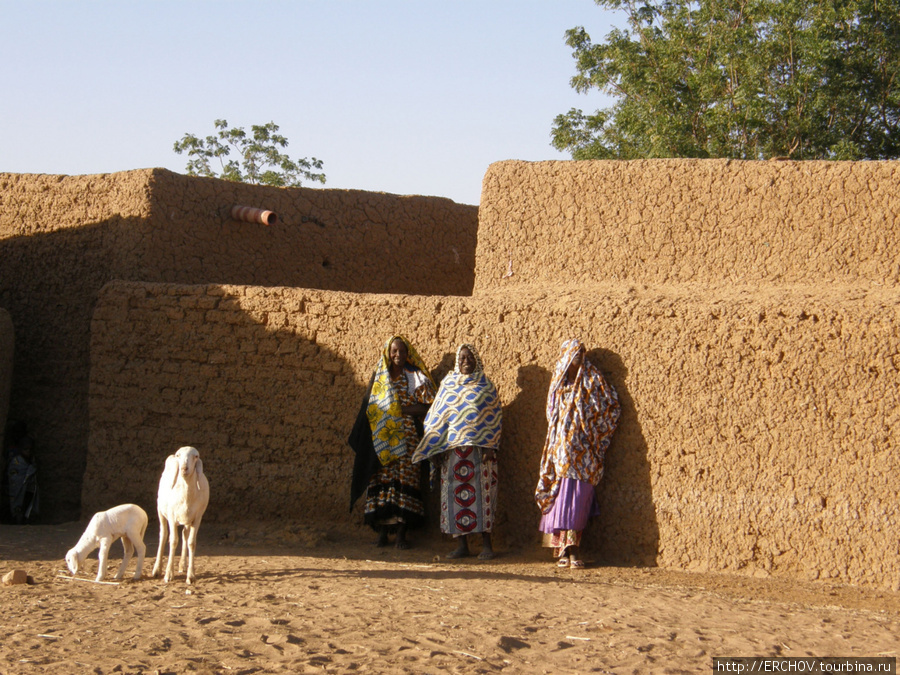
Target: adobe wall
689, 221
63, 237
757, 433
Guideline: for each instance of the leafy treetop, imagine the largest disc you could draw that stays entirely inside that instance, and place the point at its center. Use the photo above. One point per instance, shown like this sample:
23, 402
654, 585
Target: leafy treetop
261, 160
744, 79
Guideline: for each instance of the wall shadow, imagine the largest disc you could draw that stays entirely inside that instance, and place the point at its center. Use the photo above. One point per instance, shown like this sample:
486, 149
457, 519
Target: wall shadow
627, 532
49, 283
524, 431
268, 408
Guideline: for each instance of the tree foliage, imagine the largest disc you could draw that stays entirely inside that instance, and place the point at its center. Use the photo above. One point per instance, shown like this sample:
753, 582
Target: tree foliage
261, 160
744, 79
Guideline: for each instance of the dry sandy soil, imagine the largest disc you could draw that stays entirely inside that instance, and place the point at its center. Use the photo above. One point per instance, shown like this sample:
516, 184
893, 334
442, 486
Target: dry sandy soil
297, 601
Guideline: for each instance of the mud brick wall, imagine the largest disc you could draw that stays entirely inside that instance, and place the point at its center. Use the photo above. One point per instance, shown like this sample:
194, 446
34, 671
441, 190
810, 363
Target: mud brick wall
757, 433
689, 221
63, 237
347, 240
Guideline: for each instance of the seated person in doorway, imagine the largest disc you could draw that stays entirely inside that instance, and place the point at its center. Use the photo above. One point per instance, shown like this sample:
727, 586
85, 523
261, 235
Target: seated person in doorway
21, 472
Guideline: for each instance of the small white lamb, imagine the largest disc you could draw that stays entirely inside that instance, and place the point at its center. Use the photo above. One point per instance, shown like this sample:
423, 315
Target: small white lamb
182, 500
128, 522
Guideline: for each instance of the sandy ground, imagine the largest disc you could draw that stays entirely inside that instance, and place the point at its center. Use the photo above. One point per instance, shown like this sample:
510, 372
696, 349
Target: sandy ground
296, 601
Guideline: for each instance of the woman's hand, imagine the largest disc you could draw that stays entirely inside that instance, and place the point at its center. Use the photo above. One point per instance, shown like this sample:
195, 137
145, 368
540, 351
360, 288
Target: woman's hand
415, 410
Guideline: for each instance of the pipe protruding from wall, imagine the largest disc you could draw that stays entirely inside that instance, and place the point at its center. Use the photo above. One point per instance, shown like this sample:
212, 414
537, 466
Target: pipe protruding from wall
250, 214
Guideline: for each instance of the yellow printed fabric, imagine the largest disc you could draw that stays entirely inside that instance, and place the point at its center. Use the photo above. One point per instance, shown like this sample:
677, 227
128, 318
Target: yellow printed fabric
394, 435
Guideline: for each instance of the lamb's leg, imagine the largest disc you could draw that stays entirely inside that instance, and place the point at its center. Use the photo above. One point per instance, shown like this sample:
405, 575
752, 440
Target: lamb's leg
102, 557
185, 556
173, 547
163, 532
141, 551
190, 536
128, 551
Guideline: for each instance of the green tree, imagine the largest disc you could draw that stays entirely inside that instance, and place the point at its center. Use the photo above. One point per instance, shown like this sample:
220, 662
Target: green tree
744, 79
261, 161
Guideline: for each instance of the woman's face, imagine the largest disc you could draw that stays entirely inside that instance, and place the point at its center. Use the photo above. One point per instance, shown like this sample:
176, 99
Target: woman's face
466, 363
398, 353
572, 370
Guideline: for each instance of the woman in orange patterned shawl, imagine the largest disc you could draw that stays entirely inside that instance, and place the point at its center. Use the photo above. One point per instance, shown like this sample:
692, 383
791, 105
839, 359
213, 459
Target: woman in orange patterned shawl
582, 413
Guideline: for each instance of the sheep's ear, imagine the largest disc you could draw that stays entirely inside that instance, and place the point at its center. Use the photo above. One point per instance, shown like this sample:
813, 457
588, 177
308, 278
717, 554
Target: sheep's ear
199, 470
172, 469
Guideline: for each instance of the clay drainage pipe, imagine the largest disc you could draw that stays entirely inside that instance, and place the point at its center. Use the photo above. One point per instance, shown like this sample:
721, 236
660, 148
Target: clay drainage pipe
252, 215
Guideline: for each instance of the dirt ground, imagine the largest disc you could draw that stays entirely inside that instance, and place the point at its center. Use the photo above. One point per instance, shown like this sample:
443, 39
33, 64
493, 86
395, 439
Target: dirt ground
300, 601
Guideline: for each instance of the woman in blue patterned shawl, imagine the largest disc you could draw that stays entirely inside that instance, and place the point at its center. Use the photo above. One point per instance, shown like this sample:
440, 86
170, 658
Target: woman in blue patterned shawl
462, 434
384, 437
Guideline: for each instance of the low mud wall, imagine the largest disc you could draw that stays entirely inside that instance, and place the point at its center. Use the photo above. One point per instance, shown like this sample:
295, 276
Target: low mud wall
757, 433
63, 237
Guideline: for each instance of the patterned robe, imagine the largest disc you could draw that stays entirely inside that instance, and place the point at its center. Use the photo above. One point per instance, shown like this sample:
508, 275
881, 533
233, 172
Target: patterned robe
581, 418
393, 493
463, 422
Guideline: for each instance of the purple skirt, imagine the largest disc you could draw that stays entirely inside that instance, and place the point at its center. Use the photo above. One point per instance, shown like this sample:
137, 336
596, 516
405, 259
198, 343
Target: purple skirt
573, 506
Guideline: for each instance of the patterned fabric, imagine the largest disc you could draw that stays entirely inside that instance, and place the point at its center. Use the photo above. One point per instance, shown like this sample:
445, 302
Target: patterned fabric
561, 540
581, 418
564, 522
393, 435
394, 491
468, 491
465, 412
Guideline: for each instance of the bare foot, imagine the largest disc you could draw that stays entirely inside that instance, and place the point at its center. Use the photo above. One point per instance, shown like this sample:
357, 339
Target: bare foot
459, 552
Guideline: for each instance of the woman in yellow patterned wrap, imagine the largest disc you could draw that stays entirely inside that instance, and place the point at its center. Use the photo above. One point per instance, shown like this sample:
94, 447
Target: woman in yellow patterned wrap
385, 436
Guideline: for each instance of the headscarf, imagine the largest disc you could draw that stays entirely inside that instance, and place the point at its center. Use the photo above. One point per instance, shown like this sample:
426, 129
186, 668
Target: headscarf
580, 425
466, 411
383, 411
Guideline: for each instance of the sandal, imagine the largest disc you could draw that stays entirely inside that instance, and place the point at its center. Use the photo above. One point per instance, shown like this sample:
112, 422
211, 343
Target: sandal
563, 562
577, 563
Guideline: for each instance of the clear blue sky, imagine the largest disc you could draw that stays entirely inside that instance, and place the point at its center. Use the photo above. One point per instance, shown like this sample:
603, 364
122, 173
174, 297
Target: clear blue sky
408, 97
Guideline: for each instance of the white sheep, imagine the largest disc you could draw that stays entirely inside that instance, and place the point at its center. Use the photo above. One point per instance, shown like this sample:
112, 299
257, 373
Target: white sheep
128, 522
182, 500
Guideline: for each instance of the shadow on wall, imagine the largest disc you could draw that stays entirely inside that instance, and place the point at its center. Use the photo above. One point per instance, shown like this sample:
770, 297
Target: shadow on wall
49, 284
266, 407
524, 430
627, 532
269, 408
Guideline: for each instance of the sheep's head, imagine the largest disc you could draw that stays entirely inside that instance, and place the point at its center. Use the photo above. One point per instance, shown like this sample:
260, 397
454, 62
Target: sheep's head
188, 458
72, 561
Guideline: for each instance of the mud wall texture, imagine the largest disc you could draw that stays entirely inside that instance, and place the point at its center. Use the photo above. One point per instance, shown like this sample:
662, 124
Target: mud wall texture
689, 221
757, 432
63, 237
